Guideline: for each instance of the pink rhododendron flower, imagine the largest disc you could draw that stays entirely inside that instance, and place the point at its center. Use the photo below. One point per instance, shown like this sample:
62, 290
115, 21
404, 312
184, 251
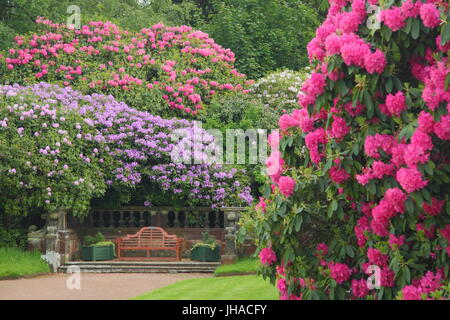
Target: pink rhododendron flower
375, 62
286, 122
411, 293
435, 208
303, 120
261, 205
339, 128
267, 256
322, 249
338, 176
430, 15
426, 122
313, 140
377, 258
395, 104
396, 199
340, 272
442, 128
359, 288
393, 18
410, 179
396, 241
287, 186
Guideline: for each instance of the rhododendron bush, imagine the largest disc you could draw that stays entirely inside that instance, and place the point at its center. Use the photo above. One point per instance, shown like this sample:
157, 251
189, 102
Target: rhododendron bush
165, 70
60, 148
369, 198
279, 90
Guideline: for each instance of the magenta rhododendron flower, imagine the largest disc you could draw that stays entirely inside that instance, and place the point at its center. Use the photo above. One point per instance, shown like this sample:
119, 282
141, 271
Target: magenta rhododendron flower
338, 175
411, 293
430, 15
287, 186
339, 128
267, 256
395, 104
261, 205
410, 179
435, 207
359, 288
340, 272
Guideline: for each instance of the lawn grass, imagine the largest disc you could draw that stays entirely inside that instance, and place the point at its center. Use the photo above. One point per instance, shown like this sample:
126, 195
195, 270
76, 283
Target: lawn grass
242, 266
223, 288
16, 263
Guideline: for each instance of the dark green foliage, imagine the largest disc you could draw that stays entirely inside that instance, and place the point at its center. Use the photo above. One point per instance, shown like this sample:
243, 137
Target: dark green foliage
265, 35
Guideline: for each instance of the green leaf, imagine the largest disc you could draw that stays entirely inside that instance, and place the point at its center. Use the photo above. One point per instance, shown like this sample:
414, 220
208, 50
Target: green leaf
396, 52
327, 166
369, 104
333, 206
415, 30
350, 252
389, 85
372, 187
409, 205
407, 273
417, 196
282, 210
445, 34
298, 223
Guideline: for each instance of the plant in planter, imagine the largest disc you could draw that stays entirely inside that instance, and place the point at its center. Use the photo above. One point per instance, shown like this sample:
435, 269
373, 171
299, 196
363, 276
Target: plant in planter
206, 251
96, 248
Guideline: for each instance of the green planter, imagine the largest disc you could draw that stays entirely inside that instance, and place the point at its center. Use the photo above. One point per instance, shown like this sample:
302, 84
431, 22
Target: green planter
96, 253
205, 254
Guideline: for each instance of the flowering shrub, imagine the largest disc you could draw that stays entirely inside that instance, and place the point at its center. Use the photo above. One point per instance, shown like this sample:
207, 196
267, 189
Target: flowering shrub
60, 148
370, 196
164, 70
279, 90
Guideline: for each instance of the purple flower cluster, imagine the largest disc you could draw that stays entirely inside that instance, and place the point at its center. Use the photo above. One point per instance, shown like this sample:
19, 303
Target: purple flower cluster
75, 135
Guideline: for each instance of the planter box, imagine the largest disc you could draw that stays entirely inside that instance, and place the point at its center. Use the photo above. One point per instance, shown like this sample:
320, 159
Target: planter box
96, 253
205, 254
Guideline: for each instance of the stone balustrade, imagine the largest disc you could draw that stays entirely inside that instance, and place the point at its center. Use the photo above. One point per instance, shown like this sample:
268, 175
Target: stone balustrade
164, 217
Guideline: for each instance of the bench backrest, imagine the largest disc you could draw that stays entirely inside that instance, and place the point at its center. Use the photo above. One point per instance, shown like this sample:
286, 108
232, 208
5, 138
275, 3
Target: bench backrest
153, 237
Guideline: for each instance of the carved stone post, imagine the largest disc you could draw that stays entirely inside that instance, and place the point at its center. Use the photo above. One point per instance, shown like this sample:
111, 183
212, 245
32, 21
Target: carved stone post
232, 215
57, 243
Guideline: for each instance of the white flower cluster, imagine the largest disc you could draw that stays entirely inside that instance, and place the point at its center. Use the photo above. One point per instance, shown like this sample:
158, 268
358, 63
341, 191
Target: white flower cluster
279, 90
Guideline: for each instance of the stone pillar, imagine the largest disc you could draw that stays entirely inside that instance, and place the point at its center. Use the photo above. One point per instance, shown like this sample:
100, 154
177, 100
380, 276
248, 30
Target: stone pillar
231, 216
57, 243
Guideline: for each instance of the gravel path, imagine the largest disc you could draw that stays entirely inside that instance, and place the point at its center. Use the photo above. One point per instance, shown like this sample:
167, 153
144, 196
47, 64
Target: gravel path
104, 286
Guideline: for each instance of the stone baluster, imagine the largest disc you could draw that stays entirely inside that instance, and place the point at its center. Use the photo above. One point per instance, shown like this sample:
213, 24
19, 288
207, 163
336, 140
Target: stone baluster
101, 221
207, 222
141, 219
176, 222
111, 219
121, 220
91, 222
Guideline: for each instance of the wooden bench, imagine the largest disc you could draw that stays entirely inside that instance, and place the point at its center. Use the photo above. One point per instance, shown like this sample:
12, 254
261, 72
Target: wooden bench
149, 239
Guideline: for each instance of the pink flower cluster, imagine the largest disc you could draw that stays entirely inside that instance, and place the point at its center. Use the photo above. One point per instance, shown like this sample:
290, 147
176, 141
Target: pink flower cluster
340, 272
313, 140
395, 104
338, 175
101, 56
422, 288
392, 203
287, 186
267, 256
